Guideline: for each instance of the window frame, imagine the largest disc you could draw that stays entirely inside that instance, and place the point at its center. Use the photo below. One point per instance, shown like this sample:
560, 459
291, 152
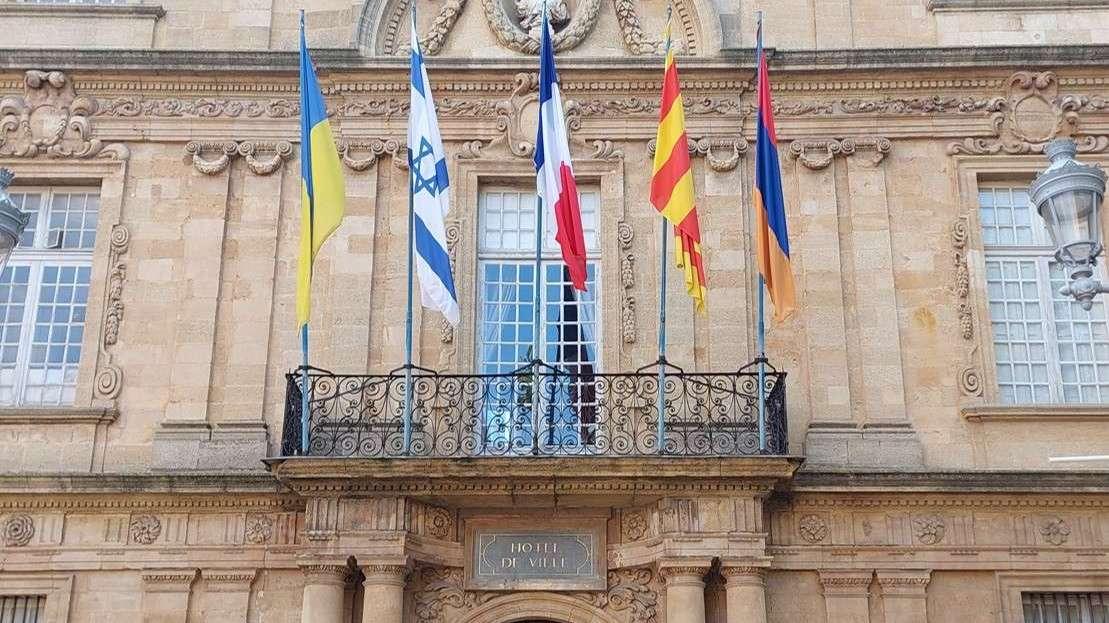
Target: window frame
37, 258
1041, 253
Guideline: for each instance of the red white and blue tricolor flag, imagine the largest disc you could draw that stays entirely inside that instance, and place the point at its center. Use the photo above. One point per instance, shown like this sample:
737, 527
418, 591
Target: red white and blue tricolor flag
772, 238
554, 173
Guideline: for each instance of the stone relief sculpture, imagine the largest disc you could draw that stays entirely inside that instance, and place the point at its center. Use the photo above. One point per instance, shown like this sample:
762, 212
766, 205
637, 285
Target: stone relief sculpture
529, 13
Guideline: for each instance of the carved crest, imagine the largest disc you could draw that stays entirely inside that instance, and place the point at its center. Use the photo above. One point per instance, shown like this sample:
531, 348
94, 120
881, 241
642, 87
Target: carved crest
51, 119
1029, 115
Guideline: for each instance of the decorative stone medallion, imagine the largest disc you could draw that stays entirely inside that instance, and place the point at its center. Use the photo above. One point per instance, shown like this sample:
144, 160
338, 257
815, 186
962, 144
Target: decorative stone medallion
929, 530
634, 526
812, 528
1055, 531
18, 530
145, 529
259, 529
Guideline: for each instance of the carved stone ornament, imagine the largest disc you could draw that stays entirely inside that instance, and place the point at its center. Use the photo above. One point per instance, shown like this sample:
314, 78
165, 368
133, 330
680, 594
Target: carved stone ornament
517, 131
1031, 114
515, 22
259, 529
1055, 531
446, 329
204, 107
51, 119
439, 589
440, 523
361, 155
145, 529
606, 150
970, 382
633, 526
961, 284
18, 530
631, 591
431, 42
109, 376
629, 323
812, 528
817, 154
709, 147
929, 530
213, 158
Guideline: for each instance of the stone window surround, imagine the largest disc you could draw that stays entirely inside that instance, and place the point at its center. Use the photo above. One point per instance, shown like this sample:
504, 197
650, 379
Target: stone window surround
970, 171
1011, 584
472, 174
58, 589
109, 175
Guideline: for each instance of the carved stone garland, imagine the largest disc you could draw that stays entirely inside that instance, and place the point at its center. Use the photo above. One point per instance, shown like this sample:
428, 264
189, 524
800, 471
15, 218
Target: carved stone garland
708, 146
1031, 114
970, 382
430, 43
200, 153
513, 37
817, 154
629, 323
51, 119
109, 376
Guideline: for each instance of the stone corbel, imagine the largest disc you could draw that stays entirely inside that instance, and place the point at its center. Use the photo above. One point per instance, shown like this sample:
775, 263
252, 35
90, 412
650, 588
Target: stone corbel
708, 147
817, 154
213, 157
279, 152
201, 152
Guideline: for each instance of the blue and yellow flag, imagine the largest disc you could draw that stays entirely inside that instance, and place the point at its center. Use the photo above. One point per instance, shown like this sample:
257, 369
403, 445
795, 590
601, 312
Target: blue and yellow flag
772, 239
322, 192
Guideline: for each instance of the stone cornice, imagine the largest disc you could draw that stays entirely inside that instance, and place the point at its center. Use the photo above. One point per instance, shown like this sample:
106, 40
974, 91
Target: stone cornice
1053, 482
40, 416
1036, 413
1015, 5
739, 60
84, 10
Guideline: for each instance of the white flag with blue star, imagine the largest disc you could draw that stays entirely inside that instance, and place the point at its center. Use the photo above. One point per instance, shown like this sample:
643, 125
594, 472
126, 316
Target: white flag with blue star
427, 165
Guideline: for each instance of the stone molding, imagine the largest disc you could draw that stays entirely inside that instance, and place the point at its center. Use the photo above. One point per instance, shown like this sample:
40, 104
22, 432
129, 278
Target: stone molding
705, 146
46, 416
744, 575
1036, 413
84, 10
856, 583
384, 575
1013, 5
911, 584
684, 575
329, 574
168, 580
229, 580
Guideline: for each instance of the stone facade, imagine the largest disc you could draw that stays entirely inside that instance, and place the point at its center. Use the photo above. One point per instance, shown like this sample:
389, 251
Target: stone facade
910, 494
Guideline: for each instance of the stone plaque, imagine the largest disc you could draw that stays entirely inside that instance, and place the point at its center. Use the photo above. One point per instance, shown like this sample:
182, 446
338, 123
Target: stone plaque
544, 556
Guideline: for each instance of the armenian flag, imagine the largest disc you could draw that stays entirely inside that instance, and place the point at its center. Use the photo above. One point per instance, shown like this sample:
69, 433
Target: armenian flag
672, 181
322, 192
772, 238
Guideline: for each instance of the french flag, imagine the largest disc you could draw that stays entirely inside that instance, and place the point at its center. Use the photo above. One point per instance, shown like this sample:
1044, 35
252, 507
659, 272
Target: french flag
554, 173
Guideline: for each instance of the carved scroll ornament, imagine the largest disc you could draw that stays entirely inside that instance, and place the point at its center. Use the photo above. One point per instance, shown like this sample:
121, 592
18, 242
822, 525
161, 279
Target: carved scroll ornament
629, 326
711, 148
109, 376
817, 154
262, 158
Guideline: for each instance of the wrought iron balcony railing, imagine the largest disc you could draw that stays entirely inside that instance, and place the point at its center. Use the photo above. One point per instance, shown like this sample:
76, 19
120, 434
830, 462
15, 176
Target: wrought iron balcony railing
458, 415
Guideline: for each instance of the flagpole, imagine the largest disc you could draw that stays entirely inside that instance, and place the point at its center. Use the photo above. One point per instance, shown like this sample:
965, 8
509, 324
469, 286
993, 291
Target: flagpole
305, 390
537, 294
762, 314
408, 308
661, 400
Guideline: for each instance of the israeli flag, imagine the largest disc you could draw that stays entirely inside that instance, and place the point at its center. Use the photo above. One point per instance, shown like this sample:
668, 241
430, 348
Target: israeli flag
427, 165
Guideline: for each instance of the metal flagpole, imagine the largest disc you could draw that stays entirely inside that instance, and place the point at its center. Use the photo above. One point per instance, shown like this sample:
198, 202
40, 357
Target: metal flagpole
537, 302
408, 309
305, 390
661, 430
762, 313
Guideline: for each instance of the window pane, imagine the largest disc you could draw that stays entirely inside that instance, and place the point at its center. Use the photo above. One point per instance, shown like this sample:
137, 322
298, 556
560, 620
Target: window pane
28, 202
1006, 217
22, 608
13, 300
72, 221
1083, 341
1023, 372
507, 222
55, 348
1065, 607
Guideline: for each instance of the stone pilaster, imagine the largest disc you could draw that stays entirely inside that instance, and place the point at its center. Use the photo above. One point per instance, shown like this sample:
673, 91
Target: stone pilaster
685, 594
904, 595
847, 595
165, 597
383, 591
227, 594
323, 593
746, 591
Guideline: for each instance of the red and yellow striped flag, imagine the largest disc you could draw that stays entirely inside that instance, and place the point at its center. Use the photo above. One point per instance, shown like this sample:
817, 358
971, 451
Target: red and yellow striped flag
672, 181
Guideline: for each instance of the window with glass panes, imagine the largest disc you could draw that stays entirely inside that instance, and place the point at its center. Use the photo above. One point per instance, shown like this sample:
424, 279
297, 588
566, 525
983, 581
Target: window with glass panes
22, 608
506, 269
1048, 349
1065, 607
44, 296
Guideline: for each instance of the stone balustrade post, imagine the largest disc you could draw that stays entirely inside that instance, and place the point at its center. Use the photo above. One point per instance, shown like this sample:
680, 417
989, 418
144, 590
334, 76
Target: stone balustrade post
383, 593
324, 585
746, 594
685, 594
847, 595
904, 595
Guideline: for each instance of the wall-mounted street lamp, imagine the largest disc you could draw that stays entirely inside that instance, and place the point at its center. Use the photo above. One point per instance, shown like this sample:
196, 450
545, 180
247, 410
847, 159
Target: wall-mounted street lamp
1068, 196
12, 220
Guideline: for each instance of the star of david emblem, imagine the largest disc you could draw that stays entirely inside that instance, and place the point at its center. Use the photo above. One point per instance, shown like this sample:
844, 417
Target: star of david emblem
419, 182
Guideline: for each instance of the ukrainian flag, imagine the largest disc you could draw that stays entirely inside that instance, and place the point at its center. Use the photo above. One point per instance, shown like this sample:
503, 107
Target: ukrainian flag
322, 191
772, 239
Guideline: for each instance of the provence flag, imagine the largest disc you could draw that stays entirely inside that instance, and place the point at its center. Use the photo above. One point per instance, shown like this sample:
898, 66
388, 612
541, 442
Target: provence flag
554, 174
772, 240
322, 191
672, 181
428, 167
